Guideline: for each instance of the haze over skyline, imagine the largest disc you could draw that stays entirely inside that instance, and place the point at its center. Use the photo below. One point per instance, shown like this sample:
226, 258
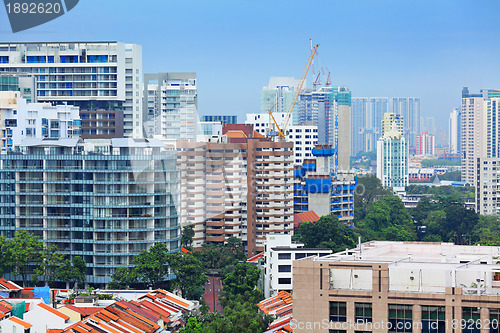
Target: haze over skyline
378, 49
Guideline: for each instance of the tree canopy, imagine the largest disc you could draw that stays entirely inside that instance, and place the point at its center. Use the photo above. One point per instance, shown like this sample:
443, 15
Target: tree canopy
328, 232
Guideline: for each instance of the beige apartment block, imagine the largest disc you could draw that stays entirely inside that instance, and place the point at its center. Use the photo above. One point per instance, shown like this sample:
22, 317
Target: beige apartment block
399, 287
239, 184
473, 128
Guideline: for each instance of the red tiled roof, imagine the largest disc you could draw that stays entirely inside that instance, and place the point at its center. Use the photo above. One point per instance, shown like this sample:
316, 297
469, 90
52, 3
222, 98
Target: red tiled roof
53, 311
20, 322
279, 305
309, 216
255, 258
133, 316
9, 285
84, 311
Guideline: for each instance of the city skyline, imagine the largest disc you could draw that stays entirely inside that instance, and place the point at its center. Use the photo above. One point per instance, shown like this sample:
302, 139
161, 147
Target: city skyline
387, 48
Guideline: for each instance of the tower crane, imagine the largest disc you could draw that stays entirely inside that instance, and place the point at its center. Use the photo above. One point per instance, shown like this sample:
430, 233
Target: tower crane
282, 130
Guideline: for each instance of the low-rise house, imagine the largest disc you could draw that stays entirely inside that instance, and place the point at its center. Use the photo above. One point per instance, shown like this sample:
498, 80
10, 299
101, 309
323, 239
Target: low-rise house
77, 313
280, 307
9, 289
43, 317
15, 325
157, 311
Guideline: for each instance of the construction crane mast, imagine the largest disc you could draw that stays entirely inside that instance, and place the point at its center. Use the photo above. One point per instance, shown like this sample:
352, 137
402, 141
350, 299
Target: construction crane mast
282, 130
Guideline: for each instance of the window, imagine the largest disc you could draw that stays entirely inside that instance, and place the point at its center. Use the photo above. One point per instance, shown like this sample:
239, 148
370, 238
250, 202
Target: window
363, 312
284, 268
338, 311
471, 319
400, 318
284, 256
284, 281
433, 319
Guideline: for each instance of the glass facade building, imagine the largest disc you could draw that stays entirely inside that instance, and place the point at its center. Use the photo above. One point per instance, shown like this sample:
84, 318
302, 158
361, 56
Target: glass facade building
104, 200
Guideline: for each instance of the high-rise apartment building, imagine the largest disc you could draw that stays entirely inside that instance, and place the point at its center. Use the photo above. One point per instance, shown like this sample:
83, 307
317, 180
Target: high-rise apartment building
409, 108
392, 153
455, 131
366, 122
278, 96
480, 130
472, 133
20, 120
304, 137
425, 144
330, 109
488, 186
105, 200
224, 119
171, 106
239, 184
95, 76
393, 122
398, 287
359, 122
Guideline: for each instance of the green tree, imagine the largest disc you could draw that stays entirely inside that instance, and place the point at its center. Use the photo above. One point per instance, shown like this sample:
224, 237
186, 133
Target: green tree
434, 223
50, 260
488, 230
187, 236
242, 280
193, 326
460, 223
80, 268
328, 232
73, 272
189, 274
387, 212
368, 189
4, 256
23, 251
151, 266
122, 278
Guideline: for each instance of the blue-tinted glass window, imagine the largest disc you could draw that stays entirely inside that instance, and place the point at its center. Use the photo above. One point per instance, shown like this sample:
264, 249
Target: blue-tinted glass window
98, 58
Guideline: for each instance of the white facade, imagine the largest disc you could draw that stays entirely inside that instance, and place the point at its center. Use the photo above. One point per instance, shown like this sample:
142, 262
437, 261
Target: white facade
488, 186
304, 137
92, 75
36, 120
43, 318
15, 325
392, 162
171, 106
472, 137
454, 131
392, 155
279, 254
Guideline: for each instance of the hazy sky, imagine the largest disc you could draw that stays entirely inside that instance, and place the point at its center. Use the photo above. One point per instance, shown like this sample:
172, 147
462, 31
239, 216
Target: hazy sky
427, 49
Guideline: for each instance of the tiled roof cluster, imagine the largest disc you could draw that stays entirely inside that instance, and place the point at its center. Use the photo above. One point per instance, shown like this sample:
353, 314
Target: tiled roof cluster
279, 306
149, 313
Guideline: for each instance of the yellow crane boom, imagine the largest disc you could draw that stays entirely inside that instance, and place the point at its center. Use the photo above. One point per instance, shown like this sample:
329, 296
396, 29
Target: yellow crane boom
282, 131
